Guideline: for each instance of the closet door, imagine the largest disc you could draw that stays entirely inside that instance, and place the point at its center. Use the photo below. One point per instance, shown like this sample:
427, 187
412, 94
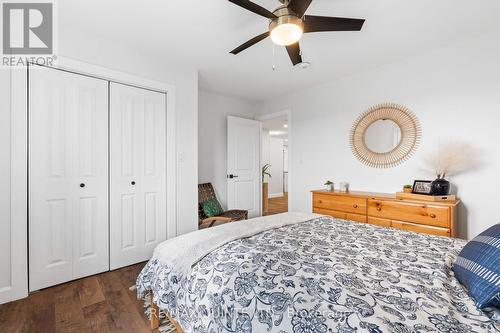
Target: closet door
68, 177
138, 174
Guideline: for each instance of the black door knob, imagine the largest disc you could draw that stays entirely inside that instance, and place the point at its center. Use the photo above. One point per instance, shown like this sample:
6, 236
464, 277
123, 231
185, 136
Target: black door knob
133, 183
231, 176
82, 185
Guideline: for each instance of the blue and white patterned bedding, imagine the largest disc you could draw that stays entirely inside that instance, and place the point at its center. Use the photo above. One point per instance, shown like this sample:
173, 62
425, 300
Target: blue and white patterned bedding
324, 275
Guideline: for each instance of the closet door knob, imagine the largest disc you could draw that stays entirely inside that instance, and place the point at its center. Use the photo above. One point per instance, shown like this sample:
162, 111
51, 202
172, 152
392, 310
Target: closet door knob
82, 185
133, 183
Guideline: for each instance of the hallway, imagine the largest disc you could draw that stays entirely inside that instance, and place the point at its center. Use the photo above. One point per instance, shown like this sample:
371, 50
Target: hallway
278, 205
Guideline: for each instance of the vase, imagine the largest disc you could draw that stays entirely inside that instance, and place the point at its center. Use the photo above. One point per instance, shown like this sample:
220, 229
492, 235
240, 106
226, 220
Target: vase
440, 186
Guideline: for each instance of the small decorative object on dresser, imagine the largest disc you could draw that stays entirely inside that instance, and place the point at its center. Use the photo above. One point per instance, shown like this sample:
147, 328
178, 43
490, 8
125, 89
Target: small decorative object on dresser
407, 188
450, 159
329, 185
440, 186
422, 187
435, 218
344, 187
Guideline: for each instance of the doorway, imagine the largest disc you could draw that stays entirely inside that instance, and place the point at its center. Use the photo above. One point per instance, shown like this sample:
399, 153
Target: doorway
274, 163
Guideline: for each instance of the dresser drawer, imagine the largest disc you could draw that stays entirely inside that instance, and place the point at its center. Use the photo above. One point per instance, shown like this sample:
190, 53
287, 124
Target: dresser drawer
356, 217
380, 222
430, 215
421, 228
341, 215
340, 203
332, 213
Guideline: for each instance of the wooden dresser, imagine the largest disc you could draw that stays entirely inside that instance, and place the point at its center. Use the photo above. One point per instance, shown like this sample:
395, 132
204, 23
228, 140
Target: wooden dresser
435, 218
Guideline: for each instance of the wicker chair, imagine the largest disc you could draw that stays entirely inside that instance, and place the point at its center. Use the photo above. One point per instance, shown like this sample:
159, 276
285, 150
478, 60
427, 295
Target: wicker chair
206, 192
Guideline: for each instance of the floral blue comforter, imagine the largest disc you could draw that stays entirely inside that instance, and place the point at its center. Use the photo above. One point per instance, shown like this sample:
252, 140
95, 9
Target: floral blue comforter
324, 275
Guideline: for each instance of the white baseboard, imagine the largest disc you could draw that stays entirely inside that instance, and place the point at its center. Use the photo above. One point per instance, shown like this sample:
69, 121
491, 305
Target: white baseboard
276, 195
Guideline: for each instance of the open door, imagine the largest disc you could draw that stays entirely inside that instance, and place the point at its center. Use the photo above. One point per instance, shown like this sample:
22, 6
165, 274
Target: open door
243, 165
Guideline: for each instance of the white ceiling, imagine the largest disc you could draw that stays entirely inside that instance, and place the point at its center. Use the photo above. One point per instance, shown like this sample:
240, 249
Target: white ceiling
202, 32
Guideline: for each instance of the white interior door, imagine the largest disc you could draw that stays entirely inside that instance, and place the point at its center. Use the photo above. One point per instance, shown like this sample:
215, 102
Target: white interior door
138, 174
68, 177
243, 161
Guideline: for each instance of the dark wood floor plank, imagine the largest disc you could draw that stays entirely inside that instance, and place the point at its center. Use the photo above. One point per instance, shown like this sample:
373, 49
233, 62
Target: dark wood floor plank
101, 303
129, 275
125, 315
110, 284
90, 291
41, 315
98, 318
67, 309
13, 317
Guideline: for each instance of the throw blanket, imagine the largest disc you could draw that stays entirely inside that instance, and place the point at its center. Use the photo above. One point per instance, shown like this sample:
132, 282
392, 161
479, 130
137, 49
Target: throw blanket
182, 252
321, 276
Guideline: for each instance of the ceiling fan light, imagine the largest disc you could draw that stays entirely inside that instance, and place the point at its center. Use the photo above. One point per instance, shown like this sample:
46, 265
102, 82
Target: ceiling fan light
286, 34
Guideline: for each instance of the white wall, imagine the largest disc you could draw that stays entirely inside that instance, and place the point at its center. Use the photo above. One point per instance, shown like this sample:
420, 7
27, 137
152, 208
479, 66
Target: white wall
454, 91
212, 140
5, 230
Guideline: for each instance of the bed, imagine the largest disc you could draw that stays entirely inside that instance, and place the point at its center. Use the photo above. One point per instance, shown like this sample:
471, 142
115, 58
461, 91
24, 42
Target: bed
318, 274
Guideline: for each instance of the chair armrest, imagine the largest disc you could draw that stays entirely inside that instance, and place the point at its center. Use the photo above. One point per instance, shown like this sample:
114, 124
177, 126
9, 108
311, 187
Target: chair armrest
211, 220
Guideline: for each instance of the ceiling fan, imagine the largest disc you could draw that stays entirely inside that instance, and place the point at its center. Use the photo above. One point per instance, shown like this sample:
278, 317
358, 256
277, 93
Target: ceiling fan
287, 23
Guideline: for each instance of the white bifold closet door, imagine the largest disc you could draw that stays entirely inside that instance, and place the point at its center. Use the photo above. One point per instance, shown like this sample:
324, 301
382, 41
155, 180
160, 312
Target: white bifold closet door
138, 173
68, 177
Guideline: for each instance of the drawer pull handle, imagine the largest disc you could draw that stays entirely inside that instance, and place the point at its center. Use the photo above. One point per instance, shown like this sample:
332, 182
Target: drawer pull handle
379, 209
433, 216
320, 201
355, 206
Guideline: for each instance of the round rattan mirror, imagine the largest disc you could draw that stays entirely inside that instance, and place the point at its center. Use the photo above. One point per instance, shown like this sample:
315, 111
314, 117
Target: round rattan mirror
385, 136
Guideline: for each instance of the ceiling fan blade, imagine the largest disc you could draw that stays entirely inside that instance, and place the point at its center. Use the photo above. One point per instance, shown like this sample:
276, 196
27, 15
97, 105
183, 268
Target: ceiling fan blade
294, 53
299, 6
323, 23
251, 42
248, 5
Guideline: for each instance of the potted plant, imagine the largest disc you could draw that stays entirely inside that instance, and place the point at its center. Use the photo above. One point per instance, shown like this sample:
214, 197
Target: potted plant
265, 171
407, 188
329, 186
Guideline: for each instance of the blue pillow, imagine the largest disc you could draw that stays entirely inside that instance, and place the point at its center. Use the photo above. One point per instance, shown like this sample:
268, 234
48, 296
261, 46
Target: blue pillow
478, 268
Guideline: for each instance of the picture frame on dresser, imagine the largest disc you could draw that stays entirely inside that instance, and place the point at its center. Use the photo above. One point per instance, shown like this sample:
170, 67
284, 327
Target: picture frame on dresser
422, 187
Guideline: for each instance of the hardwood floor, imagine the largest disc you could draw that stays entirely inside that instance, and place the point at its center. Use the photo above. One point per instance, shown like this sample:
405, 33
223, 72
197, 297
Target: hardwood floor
278, 205
100, 303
